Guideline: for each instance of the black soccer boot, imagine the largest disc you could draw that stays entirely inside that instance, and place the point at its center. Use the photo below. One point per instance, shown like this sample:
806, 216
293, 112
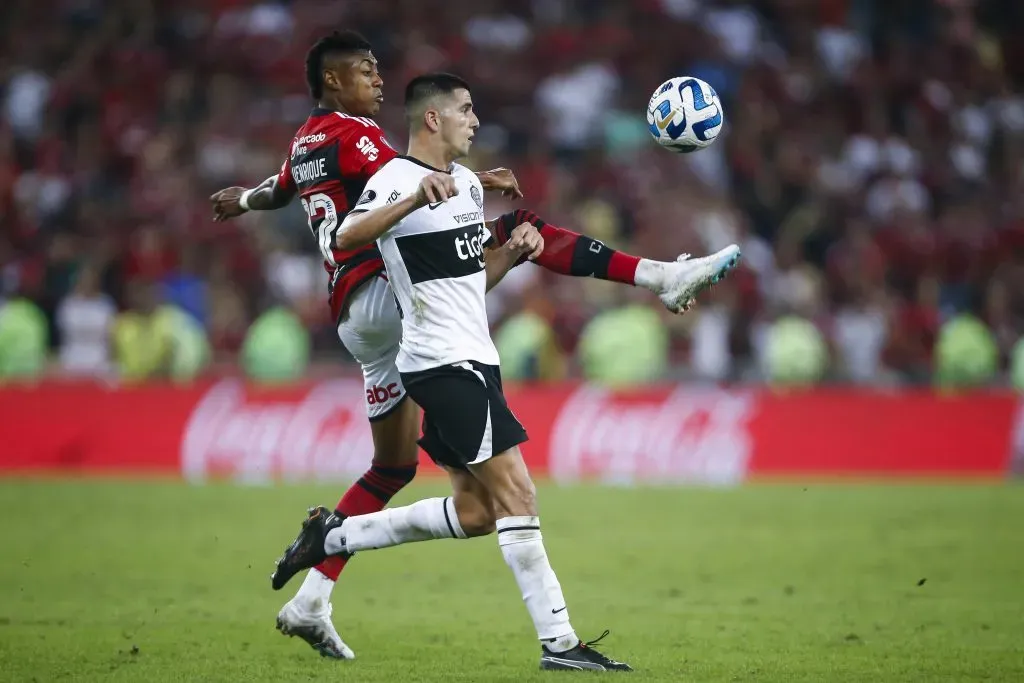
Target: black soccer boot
583, 657
307, 550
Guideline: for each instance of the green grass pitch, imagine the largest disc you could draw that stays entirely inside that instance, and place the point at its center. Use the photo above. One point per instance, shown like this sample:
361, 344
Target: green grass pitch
160, 581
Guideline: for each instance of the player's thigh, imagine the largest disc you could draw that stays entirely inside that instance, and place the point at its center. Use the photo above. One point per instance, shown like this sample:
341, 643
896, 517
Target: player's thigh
508, 482
371, 330
473, 503
466, 419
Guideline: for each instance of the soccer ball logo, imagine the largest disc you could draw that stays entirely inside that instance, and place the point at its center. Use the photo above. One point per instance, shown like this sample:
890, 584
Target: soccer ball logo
684, 114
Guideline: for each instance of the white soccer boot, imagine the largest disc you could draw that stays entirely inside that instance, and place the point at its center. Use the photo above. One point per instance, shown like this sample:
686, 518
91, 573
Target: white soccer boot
680, 282
314, 626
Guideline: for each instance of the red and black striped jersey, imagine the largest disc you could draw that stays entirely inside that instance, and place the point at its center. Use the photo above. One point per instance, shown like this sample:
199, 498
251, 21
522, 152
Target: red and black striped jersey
331, 158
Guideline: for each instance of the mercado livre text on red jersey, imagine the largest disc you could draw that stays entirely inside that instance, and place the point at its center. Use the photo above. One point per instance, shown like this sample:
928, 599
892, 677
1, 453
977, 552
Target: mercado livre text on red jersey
331, 158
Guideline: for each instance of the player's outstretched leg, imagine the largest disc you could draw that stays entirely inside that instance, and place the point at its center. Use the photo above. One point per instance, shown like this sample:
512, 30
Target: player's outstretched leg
676, 283
507, 480
466, 514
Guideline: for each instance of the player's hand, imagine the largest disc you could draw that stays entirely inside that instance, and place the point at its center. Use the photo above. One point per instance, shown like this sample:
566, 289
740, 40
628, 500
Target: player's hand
435, 188
225, 203
500, 180
526, 239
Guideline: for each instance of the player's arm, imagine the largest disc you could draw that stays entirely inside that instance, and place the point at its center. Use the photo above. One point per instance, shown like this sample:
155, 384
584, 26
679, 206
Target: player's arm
365, 226
267, 196
525, 240
273, 193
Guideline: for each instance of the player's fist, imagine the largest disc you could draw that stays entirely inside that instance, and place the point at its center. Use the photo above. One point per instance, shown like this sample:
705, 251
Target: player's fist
526, 239
500, 180
436, 188
226, 203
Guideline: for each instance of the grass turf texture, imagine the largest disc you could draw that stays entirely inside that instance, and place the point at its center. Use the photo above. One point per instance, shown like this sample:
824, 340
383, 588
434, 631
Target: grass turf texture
144, 581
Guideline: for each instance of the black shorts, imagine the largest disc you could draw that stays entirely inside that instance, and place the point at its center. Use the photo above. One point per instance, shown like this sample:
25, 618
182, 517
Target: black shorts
466, 419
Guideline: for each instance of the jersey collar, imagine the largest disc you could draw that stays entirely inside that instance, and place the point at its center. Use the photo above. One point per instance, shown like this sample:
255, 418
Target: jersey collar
424, 165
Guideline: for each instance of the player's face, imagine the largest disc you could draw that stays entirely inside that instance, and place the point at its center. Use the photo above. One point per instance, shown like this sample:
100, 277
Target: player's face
458, 122
357, 82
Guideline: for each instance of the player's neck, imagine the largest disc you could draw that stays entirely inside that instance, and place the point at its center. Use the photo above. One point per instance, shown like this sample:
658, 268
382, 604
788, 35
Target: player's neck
331, 105
430, 153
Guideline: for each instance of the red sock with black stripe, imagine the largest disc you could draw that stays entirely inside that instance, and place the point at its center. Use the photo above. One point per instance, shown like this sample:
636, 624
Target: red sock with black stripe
370, 493
570, 253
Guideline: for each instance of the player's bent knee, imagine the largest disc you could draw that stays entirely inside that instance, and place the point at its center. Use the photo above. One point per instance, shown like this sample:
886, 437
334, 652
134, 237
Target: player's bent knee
475, 518
479, 524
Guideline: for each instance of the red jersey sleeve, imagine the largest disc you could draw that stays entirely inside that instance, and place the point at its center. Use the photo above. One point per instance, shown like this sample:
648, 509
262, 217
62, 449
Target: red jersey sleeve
284, 177
363, 149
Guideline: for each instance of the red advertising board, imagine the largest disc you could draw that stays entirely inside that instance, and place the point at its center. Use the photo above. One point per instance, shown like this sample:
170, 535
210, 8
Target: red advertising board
655, 435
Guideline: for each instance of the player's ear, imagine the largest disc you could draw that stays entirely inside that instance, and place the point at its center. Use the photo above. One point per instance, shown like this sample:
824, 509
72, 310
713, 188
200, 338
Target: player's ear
330, 80
432, 120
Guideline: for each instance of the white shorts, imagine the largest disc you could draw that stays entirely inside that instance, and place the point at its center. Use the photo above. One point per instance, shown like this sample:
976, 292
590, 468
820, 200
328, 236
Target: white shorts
371, 330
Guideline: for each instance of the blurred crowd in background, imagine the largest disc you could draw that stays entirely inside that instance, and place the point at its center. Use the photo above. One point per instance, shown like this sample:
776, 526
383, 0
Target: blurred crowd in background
872, 169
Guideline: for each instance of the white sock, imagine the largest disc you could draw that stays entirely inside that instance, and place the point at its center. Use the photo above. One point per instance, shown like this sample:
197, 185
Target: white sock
315, 591
523, 548
422, 521
650, 274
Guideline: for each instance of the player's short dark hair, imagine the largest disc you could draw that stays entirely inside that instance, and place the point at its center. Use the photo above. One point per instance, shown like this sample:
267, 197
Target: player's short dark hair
337, 43
424, 87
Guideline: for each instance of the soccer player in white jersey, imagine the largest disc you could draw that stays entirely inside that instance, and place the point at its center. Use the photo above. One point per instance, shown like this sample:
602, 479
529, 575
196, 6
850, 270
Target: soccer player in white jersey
426, 214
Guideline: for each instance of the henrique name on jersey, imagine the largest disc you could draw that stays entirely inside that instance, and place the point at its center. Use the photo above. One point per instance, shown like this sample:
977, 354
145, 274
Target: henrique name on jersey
310, 171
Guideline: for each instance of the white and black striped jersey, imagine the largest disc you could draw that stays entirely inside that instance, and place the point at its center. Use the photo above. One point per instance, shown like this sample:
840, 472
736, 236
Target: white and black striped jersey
435, 264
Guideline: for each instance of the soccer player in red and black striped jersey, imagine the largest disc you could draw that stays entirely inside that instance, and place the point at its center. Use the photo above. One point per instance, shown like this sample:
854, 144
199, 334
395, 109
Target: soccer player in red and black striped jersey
331, 158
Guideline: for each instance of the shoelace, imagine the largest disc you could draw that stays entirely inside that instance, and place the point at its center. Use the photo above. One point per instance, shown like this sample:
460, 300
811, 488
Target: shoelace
595, 641
589, 645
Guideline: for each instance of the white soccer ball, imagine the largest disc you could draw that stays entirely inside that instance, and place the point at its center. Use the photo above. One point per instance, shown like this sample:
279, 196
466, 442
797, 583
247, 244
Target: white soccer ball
685, 114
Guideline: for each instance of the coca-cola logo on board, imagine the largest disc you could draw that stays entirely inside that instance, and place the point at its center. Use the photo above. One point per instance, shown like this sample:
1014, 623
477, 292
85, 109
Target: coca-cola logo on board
686, 435
322, 435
